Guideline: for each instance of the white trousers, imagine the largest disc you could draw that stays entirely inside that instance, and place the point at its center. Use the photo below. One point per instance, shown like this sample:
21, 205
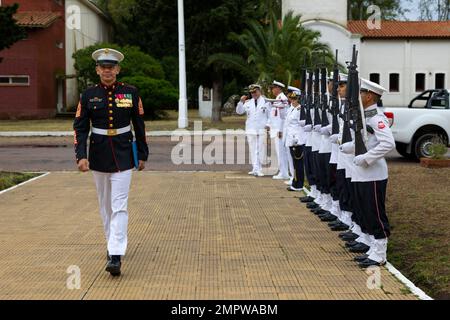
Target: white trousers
282, 153
257, 146
112, 192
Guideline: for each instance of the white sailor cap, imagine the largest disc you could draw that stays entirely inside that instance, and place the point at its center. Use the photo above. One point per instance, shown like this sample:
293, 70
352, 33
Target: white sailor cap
293, 92
278, 84
254, 87
342, 77
372, 87
107, 56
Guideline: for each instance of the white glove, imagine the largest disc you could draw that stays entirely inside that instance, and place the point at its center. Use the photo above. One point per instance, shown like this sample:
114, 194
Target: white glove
360, 161
317, 128
348, 147
324, 131
330, 129
308, 128
302, 123
334, 138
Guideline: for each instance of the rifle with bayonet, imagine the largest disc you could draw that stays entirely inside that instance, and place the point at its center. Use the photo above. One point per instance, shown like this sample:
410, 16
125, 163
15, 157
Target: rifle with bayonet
335, 98
303, 99
323, 94
355, 107
309, 99
317, 97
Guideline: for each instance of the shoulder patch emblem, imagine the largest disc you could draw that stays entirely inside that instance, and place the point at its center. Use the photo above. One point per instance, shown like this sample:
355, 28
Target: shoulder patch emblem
141, 107
78, 114
381, 125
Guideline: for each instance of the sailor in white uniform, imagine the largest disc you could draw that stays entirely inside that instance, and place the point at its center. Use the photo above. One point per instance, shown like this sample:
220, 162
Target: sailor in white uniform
275, 124
257, 110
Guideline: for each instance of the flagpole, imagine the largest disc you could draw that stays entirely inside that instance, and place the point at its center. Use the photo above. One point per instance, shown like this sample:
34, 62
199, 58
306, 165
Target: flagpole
182, 102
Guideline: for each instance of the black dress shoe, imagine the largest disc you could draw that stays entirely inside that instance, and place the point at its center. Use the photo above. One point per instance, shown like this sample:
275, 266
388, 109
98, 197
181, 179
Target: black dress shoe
359, 248
352, 243
348, 233
339, 227
306, 199
328, 217
369, 262
312, 205
334, 223
361, 257
350, 237
114, 265
322, 212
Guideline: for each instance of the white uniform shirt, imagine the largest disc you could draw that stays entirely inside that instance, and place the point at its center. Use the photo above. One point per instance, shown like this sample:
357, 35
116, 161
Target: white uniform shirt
325, 143
277, 115
294, 133
257, 115
378, 145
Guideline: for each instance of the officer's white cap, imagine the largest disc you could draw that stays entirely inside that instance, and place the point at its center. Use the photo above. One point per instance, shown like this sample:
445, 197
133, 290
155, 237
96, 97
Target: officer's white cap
254, 87
107, 56
342, 77
372, 87
291, 88
278, 84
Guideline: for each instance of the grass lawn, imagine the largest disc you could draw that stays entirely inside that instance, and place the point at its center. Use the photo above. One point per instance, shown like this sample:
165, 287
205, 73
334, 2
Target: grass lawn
418, 209
170, 123
9, 179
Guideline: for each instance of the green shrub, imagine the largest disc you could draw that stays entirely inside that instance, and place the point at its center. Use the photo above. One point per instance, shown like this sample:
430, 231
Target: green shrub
156, 94
136, 63
438, 148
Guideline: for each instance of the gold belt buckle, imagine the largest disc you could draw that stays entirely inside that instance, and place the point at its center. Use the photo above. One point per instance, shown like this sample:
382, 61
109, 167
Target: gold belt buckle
112, 132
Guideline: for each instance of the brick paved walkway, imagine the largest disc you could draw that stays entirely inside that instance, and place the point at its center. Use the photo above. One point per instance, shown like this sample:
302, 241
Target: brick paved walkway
216, 235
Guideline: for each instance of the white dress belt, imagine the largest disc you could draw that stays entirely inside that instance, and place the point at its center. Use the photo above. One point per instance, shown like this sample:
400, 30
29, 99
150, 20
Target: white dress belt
111, 132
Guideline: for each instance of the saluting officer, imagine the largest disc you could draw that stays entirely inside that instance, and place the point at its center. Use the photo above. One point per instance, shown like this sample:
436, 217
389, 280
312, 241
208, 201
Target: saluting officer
111, 106
257, 110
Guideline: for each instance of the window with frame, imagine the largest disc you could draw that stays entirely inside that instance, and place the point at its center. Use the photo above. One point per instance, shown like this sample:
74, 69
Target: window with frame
420, 82
394, 82
14, 80
374, 77
439, 81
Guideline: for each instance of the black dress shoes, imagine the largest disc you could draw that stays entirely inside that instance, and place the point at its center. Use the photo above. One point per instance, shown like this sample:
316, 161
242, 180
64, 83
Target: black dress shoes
359, 248
312, 205
306, 199
350, 237
328, 217
361, 257
369, 263
114, 265
352, 243
339, 227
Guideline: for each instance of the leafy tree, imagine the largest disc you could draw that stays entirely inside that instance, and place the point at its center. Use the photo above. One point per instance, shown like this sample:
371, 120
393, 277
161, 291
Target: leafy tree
156, 94
438, 10
274, 51
390, 9
10, 31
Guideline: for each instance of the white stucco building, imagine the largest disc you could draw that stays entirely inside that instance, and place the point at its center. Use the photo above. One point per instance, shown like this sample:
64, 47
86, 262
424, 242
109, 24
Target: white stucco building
94, 27
405, 57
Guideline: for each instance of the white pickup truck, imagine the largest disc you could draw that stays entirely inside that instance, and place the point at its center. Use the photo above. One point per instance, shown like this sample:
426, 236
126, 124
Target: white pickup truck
414, 127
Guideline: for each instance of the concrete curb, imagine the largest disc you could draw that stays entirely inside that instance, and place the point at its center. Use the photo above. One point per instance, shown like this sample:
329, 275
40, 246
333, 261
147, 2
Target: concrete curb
177, 132
25, 182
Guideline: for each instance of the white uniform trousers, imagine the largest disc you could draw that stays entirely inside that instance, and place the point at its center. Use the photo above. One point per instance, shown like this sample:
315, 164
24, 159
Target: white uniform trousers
112, 192
257, 146
282, 158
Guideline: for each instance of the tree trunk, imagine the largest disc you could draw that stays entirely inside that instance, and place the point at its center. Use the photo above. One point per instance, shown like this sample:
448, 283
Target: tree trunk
217, 98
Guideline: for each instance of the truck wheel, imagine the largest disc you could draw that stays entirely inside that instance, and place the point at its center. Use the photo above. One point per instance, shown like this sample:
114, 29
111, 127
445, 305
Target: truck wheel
401, 148
422, 145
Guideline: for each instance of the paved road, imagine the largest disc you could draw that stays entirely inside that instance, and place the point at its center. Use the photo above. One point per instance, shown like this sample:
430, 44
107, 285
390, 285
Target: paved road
208, 235
56, 154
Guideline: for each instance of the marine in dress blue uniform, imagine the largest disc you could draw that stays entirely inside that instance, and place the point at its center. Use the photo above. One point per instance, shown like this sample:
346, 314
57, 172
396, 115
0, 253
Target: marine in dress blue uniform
107, 110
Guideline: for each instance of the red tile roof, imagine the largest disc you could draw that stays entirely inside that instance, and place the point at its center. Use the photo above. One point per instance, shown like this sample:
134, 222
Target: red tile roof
402, 29
36, 19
